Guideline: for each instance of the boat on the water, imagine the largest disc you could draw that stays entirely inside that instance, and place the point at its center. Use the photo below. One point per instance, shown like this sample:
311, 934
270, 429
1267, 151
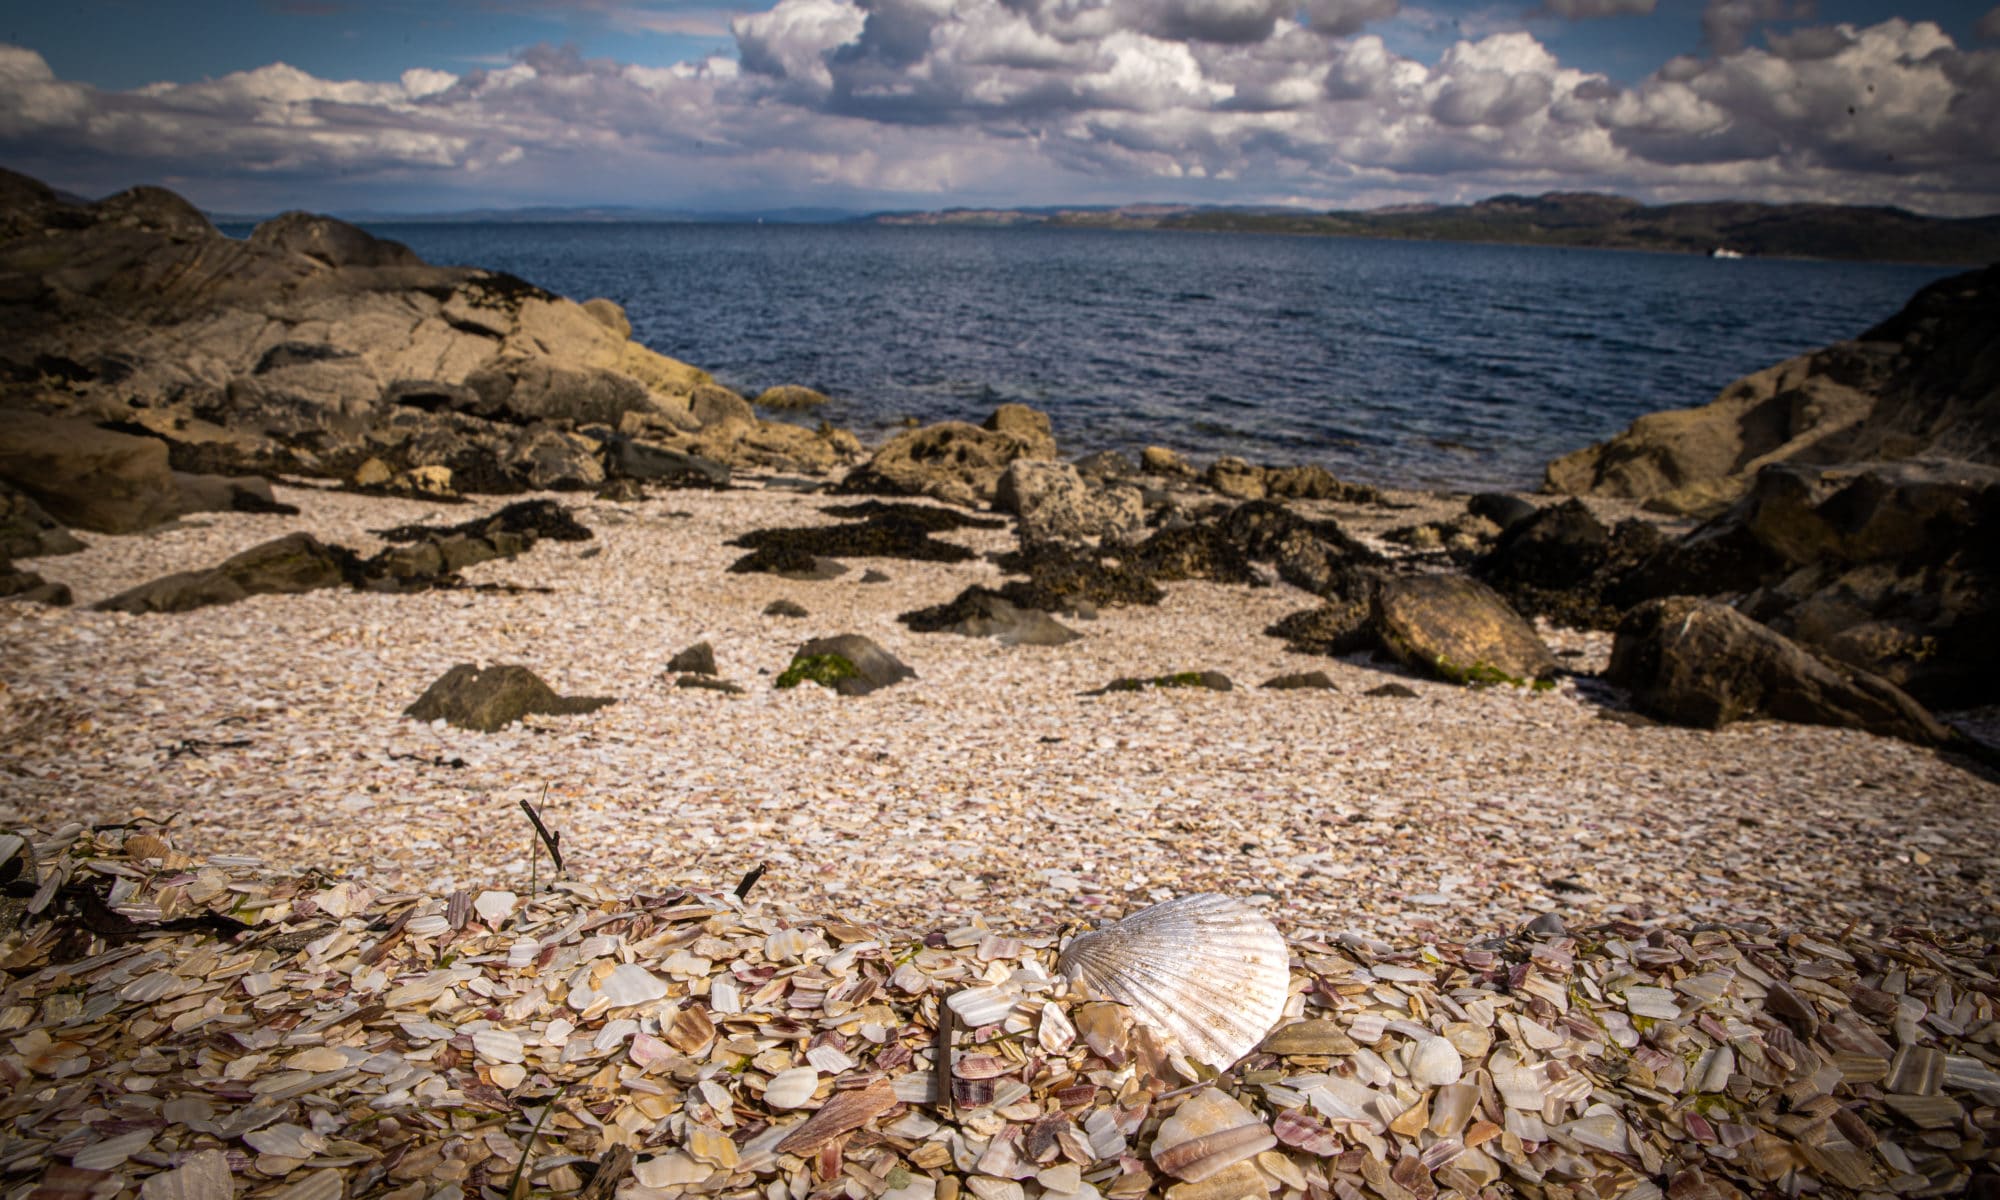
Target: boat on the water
1725, 252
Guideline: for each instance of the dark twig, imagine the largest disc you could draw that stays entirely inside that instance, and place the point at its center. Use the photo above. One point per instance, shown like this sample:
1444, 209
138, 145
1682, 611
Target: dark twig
551, 840
947, 1030
750, 880
611, 1171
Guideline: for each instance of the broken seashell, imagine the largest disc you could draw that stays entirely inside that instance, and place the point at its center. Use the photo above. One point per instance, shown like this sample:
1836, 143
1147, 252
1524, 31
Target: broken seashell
1208, 972
791, 1088
1210, 1132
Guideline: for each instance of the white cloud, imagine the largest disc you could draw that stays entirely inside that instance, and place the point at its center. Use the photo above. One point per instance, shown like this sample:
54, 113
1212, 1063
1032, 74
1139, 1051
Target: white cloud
1044, 100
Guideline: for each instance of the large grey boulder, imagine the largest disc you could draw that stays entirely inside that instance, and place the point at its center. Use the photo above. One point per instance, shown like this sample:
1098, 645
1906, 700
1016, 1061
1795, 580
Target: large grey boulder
1696, 662
1056, 504
86, 477
489, 700
1458, 630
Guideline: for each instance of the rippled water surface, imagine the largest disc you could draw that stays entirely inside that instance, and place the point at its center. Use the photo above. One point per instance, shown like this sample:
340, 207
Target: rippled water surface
1392, 362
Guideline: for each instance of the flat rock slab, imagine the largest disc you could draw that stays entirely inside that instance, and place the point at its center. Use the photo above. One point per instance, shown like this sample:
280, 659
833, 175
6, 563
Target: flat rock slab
1459, 630
297, 562
86, 477
490, 700
983, 612
1206, 681
1701, 663
850, 664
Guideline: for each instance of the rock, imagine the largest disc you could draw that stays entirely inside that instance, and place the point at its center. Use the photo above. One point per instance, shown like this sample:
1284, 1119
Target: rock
217, 493
1025, 425
531, 519
1925, 383
850, 664
331, 243
297, 562
711, 404
549, 459
1314, 482
489, 700
871, 575
1062, 579
706, 683
1392, 691
1106, 465
983, 612
782, 607
1307, 680
788, 397
1696, 662
789, 562
1893, 568
1212, 681
1235, 478
1563, 563
887, 532
86, 477
29, 587
1459, 630
654, 463
26, 531
1158, 460
1504, 509
950, 461
698, 659
1056, 504
622, 491
610, 314
1336, 628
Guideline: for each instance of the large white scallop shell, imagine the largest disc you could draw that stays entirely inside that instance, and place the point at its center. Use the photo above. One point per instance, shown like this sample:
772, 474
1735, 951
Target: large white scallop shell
1208, 972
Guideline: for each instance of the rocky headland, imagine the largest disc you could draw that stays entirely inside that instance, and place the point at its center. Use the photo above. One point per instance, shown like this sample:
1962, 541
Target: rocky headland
448, 749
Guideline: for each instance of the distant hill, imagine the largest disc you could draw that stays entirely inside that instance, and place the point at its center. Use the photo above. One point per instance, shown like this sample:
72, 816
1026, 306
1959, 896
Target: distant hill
570, 215
1562, 219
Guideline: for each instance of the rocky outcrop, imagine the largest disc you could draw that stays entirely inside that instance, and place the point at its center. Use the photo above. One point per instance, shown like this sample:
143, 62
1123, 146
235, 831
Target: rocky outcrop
489, 700
86, 477
1924, 384
1458, 630
1563, 563
313, 346
1696, 662
1057, 504
952, 461
1240, 480
788, 397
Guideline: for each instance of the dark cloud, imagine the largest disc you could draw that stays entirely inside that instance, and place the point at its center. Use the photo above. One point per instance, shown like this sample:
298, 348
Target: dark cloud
1989, 25
1812, 42
1578, 10
1726, 24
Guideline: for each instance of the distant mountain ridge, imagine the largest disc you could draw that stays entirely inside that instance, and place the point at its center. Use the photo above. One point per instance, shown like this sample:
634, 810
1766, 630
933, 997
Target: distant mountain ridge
1587, 219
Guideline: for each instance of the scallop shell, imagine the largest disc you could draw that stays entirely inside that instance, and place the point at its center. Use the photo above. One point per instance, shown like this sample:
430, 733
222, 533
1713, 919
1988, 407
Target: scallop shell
1209, 972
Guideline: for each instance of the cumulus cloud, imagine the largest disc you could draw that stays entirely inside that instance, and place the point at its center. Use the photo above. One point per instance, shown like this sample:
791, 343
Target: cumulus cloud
1989, 25
1043, 100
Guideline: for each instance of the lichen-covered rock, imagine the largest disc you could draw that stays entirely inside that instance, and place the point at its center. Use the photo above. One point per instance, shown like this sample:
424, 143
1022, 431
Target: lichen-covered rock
850, 664
1458, 630
489, 700
1696, 662
1056, 504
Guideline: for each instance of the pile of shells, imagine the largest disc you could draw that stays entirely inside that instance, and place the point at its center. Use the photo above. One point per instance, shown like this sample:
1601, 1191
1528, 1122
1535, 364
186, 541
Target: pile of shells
173, 1026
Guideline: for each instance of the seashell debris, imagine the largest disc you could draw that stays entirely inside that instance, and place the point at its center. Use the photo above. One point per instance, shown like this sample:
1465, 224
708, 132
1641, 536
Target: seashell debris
1206, 972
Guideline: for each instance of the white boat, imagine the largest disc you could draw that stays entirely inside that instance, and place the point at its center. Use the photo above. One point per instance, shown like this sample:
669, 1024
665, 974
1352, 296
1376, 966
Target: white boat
1725, 252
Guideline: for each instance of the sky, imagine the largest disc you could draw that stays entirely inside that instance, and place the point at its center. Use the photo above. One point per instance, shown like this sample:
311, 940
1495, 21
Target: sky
358, 106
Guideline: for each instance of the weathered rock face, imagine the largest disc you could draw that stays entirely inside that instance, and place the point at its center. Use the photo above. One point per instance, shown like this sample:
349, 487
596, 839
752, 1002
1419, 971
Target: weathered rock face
1056, 504
489, 700
313, 346
1893, 568
788, 397
1560, 562
1458, 630
86, 477
1925, 383
953, 461
983, 612
1696, 662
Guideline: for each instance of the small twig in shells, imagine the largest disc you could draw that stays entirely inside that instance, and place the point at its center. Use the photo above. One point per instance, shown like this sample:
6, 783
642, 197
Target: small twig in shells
551, 840
750, 880
947, 1030
611, 1171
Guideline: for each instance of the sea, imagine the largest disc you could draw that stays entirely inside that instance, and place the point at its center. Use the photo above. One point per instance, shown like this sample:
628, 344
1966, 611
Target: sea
1409, 364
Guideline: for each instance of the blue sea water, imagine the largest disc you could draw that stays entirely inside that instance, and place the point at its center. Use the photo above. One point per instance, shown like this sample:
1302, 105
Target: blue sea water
1403, 363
